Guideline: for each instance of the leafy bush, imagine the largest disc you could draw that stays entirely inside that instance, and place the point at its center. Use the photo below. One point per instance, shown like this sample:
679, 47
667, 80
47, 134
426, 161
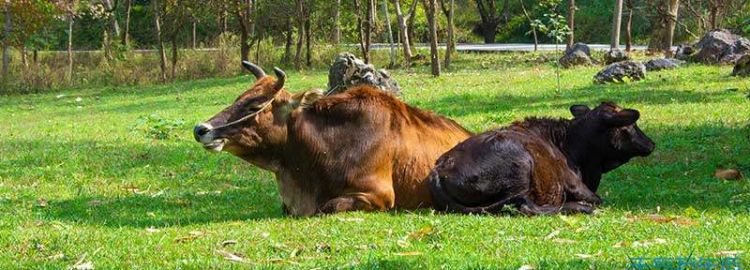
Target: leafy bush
156, 127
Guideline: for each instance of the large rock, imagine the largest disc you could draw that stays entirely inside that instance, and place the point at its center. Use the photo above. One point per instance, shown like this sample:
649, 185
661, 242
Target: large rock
617, 71
721, 47
662, 63
348, 71
579, 54
742, 66
615, 55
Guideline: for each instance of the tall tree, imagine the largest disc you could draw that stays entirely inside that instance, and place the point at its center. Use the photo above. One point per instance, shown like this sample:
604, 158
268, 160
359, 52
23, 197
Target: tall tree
629, 26
301, 9
289, 40
430, 7
114, 25
7, 27
403, 32
663, 25
411, 17
126, 32
490, 20
336, 35
389, 34
365, 26
243, 10
672, 8
450, 44
571, 22
616, 23
159, 41
532, 24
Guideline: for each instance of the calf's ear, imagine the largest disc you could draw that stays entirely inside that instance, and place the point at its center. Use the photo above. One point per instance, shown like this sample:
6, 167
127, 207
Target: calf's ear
579, 110
622, 118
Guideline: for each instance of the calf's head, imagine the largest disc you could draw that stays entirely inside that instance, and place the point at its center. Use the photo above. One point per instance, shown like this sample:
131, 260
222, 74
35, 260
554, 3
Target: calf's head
253, 122
609, 132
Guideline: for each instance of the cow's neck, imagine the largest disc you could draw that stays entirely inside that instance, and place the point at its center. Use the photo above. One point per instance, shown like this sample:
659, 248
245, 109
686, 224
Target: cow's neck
269, 154
582, 157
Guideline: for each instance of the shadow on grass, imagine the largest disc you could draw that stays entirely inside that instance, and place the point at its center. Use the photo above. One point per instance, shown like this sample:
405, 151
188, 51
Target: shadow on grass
160, 211
475, 103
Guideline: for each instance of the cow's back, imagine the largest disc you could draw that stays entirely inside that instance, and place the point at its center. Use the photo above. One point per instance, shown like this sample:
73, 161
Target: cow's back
365, 131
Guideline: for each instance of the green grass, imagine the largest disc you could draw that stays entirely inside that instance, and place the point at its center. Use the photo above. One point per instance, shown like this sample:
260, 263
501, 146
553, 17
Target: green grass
79, 183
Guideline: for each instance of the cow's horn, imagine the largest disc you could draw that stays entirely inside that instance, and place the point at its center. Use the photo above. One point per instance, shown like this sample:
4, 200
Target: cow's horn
280, 77
256, 70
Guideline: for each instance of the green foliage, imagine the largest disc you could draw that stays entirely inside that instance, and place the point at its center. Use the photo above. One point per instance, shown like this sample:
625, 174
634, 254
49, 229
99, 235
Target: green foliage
156, 127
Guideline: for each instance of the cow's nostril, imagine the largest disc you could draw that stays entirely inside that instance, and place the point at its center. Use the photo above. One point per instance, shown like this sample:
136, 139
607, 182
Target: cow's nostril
200, 130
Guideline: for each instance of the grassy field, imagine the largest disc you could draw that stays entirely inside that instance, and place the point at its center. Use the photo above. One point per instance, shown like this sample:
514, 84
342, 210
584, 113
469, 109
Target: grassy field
84, 183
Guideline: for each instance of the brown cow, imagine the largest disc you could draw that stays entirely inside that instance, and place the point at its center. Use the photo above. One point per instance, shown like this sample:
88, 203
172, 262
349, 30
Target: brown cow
540, 165
358, 150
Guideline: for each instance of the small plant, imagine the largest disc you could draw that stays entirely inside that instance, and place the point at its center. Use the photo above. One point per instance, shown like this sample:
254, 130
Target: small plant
156, 127
554, 26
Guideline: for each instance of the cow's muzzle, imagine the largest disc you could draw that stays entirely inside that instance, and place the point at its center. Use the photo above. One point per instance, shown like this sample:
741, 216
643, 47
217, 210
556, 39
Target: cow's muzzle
204, 134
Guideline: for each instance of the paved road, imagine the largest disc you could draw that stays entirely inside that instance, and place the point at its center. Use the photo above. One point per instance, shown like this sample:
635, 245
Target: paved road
527, 47
496, 47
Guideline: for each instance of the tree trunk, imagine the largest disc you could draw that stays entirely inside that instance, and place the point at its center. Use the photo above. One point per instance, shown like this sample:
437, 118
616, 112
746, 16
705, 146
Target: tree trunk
194, 36
365, 27
430, 7
671, 22
629, 26
126, 33
300, 34
224, 15
113, 20
24, 56
616, 22
533, 29
506, 12
571, 22
390, 34
336, 37
159, 42
174, 54
69, 75
488, 13
244, 46
288, 45
6, 47
35, 56
450, 45
308, 43
404, 33
410, 22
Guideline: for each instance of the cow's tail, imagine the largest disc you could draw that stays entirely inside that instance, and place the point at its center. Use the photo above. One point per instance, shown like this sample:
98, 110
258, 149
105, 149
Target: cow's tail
442, 201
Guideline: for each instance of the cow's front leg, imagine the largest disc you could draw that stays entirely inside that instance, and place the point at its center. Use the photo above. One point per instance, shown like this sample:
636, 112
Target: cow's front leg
576, 190
579, 207
359, 201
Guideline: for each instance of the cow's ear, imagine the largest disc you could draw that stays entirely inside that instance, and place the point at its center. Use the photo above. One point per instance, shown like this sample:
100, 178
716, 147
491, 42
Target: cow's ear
579, 110
622, 118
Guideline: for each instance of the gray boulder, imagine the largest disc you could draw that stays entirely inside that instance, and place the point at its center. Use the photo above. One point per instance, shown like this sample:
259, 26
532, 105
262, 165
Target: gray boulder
617, 71
578, 54
347, 71
662, 63
615, 55
721, 47
742, 66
